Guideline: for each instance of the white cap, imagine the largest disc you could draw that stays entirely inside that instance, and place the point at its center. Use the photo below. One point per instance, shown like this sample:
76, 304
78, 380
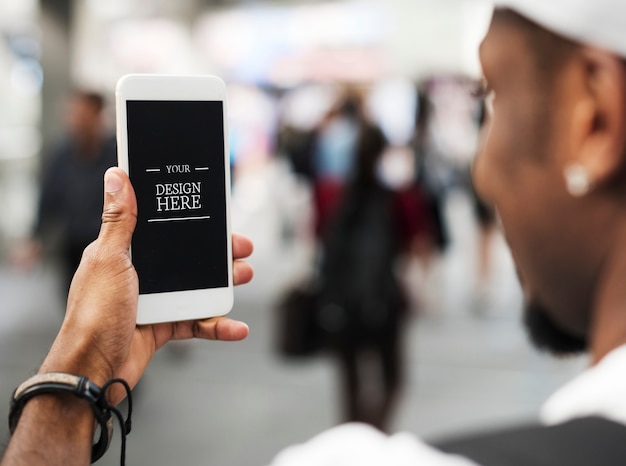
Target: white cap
596, 22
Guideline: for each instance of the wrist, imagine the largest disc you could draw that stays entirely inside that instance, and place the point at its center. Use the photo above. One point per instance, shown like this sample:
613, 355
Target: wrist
62, 411
58, 424
44, 399
75, 354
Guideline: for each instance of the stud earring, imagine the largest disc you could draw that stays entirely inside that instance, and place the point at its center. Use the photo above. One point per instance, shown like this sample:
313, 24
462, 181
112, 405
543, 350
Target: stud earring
577, 180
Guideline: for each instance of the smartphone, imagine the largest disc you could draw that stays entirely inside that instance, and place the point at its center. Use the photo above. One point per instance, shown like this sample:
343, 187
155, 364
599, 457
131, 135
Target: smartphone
172, 141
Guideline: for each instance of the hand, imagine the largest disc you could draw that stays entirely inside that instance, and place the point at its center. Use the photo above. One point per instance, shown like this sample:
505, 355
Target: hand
99, 337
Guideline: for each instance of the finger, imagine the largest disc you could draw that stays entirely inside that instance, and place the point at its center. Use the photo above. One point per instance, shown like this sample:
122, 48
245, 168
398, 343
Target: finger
220, 328
217, 328
242, 246
242, 272
119, 214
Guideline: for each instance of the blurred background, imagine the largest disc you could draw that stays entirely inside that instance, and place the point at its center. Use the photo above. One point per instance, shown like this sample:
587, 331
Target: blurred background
413, 65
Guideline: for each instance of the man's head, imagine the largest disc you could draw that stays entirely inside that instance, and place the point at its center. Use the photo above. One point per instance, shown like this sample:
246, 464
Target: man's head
85, 114
559, 108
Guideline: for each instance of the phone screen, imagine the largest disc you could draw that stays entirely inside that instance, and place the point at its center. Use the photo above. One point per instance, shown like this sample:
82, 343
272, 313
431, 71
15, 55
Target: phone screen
176, 165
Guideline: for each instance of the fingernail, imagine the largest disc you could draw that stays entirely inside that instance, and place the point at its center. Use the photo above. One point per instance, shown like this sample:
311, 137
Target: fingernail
112, 182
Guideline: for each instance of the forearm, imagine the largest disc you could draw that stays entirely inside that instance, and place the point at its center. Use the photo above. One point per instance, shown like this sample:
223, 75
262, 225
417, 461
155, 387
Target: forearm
53, 429
58, 428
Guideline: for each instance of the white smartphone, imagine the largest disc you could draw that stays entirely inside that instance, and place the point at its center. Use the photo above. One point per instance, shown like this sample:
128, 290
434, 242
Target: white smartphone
172, 141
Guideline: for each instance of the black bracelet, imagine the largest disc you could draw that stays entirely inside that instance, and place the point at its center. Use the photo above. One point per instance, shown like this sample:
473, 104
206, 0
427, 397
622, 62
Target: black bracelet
82, 387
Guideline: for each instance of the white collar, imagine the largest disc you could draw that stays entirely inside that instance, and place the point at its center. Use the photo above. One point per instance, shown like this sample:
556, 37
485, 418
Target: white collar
599, 390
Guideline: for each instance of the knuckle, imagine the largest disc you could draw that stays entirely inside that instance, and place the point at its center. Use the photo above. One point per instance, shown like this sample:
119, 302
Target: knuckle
115, 217
112, 213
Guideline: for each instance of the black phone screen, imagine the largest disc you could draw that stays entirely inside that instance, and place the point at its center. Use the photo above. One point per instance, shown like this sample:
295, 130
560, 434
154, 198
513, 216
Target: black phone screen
177, 167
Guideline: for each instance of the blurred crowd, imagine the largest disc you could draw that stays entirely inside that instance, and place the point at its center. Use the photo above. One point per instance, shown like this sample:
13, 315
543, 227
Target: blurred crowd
429, 134
378, 162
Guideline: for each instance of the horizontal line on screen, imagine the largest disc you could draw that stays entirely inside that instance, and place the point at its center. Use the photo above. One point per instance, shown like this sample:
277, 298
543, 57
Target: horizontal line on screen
177, 219
199, 169
153, 169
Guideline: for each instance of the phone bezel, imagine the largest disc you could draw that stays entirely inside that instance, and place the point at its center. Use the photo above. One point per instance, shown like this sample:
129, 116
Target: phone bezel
189, 304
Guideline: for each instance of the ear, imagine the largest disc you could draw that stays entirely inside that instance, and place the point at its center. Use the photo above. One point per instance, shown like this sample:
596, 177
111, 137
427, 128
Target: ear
600, 118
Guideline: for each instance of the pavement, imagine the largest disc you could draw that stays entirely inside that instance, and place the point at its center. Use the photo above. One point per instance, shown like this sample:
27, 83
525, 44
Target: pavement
469, 364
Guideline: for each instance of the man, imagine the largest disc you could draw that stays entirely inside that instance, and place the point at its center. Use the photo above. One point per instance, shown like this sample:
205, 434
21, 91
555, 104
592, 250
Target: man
552, 165
71, 191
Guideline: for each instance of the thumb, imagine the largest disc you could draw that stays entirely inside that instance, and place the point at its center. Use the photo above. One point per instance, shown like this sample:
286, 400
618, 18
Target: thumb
119, 214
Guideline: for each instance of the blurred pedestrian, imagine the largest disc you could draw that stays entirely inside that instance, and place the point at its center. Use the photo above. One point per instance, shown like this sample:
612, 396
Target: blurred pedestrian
363, 306
333, 147
428, 193
71, 189
428, 177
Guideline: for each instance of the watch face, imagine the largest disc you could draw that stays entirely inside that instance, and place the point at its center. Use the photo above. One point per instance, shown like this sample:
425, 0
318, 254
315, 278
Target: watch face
177, 167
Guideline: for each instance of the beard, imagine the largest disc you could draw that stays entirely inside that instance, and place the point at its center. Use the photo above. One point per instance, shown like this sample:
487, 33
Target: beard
546, 335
